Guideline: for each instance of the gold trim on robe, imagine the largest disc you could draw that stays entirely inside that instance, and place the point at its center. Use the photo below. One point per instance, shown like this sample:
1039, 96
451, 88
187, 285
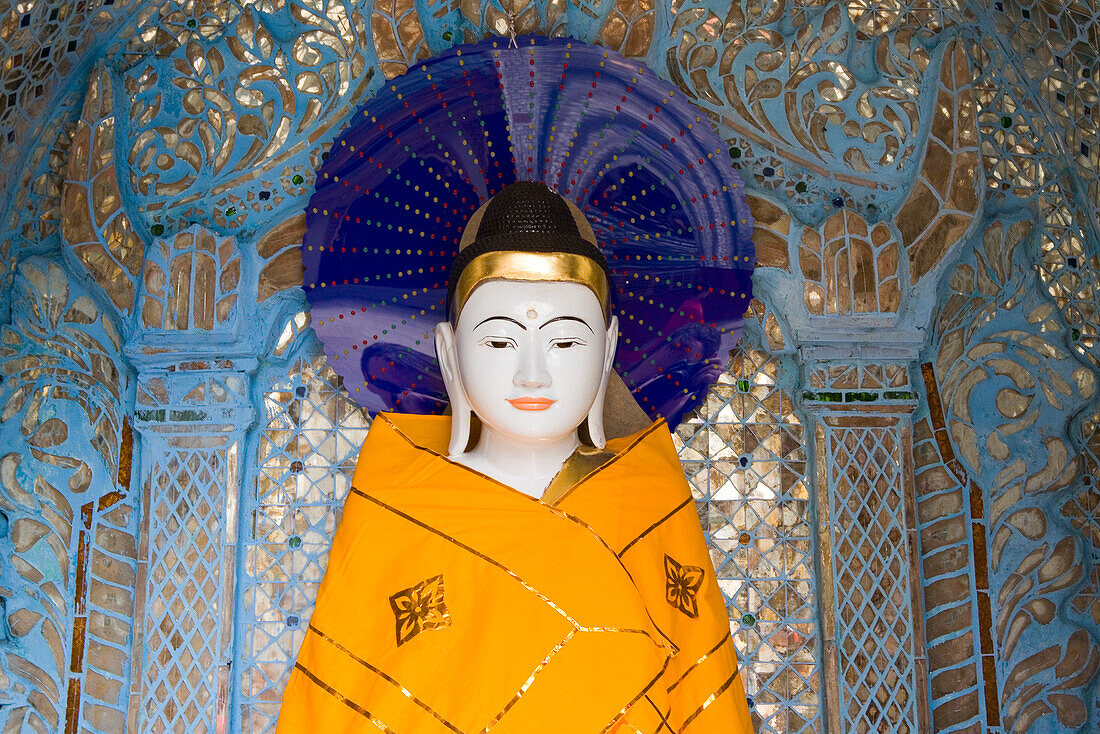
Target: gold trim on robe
453, 603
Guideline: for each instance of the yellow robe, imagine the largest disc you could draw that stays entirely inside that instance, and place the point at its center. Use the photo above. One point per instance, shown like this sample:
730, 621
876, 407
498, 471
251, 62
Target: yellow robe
453, 603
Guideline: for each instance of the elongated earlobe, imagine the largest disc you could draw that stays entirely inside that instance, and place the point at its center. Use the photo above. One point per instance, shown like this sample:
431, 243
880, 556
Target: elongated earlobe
595, 414
461, 412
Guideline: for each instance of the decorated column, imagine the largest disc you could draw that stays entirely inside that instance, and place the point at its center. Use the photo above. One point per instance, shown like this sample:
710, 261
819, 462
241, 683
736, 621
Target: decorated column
192, 410
872, 629
192, 417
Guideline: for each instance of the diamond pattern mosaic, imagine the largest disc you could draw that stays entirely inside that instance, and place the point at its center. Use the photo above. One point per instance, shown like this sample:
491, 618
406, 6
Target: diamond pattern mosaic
311, 434
871, 580
745, 455
183, 618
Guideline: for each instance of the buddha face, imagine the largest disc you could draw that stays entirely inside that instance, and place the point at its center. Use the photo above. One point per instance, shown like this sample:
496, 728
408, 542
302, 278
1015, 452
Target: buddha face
532, 357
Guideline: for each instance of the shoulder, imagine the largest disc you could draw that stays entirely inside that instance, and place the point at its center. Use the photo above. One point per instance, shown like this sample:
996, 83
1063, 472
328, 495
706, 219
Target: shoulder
651, 450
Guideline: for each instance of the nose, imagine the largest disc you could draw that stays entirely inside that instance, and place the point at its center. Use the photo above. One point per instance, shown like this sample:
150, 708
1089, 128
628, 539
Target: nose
531, 370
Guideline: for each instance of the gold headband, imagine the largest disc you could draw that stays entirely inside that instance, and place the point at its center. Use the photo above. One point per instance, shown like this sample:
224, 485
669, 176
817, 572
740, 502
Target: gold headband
549, 267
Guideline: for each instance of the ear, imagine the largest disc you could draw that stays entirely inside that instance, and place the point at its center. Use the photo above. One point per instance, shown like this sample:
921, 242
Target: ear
595, 413
447, 355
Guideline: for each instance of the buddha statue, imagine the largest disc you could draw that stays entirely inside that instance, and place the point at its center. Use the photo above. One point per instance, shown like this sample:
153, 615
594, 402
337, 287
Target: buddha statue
511, 567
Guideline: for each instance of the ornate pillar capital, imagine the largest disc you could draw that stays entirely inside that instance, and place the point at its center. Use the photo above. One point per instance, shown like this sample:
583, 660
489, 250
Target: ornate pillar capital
851, 386
189, 397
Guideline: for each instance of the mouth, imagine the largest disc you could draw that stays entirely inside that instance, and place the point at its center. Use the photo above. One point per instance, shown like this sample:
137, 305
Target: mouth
528, 403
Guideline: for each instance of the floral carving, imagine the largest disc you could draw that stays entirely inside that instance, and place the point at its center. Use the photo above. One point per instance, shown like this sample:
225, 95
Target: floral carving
251, 102
943, 202
398, 36
94, 223
798, 93
1000, 346
629, 27
62, 436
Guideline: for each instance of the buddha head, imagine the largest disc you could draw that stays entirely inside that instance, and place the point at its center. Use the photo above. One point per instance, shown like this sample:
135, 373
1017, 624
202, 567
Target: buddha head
528, 347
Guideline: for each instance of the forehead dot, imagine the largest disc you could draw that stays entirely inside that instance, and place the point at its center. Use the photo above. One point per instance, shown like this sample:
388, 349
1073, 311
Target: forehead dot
532, 313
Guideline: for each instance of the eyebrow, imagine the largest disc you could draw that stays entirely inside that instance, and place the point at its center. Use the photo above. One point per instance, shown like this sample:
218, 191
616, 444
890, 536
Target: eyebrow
503, 318
568, 318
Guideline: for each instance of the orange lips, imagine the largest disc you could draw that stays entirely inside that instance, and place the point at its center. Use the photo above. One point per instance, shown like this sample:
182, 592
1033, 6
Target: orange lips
527, 403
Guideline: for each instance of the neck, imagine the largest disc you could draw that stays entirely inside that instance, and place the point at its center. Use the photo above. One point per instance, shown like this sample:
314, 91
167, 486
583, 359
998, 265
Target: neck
528, 466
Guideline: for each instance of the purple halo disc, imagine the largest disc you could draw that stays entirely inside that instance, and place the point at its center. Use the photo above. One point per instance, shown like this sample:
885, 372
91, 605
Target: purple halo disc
626, 146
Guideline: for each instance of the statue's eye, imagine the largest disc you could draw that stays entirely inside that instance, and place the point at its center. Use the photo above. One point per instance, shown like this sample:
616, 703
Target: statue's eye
568, 343
497, 343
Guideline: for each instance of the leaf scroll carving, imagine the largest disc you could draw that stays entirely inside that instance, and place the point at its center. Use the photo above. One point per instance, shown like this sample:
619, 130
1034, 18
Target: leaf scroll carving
62, 432
1009, 387
253, 101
